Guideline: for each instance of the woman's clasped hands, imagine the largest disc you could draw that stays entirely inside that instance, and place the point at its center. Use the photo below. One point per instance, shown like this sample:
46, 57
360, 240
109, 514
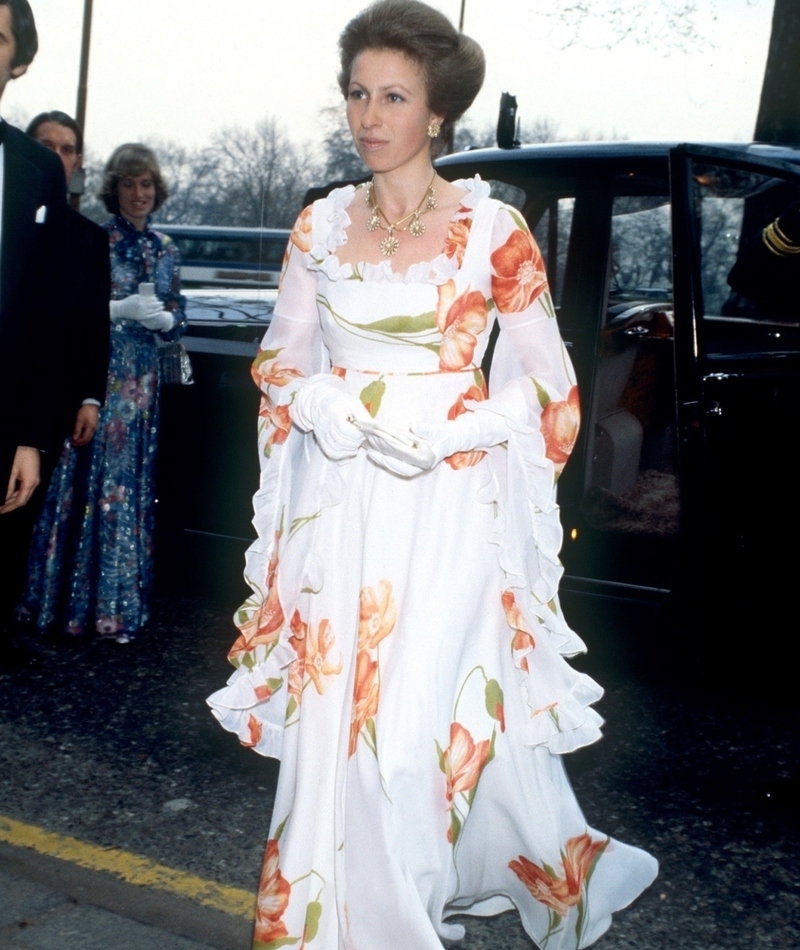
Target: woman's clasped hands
342, 425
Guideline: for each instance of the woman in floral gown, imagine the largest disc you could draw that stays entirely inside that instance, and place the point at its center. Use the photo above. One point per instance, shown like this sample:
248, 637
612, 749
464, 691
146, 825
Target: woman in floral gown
403, 649
91, 561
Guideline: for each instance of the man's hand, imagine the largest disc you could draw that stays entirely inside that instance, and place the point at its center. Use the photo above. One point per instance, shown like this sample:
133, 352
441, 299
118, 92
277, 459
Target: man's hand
23, 480
85, 424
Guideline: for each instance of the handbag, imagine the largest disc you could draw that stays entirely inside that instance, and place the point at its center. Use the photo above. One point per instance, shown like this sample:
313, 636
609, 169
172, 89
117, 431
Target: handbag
174, 365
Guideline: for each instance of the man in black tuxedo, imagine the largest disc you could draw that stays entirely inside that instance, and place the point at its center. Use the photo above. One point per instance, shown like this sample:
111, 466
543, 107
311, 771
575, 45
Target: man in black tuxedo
33, 208
83, 320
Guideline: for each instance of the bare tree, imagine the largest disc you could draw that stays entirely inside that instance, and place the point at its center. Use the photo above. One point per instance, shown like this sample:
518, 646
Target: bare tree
665, 25
342, 162
261, 176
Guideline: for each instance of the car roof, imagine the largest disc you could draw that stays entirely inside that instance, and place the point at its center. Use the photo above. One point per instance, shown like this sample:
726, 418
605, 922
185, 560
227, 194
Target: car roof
588, 151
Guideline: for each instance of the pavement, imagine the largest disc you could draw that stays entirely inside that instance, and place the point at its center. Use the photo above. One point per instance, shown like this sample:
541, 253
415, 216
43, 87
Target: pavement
129, 820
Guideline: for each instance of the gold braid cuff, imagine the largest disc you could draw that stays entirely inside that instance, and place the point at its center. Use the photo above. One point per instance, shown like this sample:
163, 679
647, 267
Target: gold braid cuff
776, 241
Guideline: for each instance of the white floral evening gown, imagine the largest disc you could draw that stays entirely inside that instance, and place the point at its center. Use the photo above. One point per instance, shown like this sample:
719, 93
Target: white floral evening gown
402, 652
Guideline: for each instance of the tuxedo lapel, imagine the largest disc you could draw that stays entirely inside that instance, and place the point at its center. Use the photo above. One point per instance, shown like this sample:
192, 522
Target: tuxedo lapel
22, 189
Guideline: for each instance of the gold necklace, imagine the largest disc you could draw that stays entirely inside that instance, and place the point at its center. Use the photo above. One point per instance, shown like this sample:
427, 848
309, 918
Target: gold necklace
389, 244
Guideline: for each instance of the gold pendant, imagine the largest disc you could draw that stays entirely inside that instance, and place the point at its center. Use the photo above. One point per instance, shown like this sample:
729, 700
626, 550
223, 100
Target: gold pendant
389, 245
430, 203
374, 222
417, 227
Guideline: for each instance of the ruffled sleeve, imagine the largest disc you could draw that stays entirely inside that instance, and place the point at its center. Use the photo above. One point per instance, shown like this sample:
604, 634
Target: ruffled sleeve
532, 385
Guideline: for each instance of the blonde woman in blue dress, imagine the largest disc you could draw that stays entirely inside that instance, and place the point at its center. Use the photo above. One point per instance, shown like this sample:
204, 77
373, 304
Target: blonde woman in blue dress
403, 649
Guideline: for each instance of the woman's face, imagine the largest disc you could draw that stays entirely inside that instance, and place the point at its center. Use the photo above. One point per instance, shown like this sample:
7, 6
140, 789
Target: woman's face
136, 195
387, 110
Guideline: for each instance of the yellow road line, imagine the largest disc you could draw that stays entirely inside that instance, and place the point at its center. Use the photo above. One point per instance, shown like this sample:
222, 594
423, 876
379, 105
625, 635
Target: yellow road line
130, 867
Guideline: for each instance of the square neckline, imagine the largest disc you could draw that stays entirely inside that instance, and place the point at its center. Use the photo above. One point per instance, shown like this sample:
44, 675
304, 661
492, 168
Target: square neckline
438, 270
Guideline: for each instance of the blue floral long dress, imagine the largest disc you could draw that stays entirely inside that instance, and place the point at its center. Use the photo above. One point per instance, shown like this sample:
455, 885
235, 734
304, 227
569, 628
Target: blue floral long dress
91, 561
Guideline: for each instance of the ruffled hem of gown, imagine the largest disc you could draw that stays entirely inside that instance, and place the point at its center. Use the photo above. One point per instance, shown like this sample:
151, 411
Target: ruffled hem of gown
335, 219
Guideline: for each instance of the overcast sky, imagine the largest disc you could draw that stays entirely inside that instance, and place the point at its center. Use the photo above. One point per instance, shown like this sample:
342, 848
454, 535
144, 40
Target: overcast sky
183, 69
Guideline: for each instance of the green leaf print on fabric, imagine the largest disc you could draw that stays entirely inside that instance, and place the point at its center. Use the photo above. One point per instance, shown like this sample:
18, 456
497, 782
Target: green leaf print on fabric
300, 522
541, 393
313, 914
371, 396
494, 702
419, 330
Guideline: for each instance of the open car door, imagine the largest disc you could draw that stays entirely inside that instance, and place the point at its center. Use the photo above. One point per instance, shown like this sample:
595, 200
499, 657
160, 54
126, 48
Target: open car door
736, 274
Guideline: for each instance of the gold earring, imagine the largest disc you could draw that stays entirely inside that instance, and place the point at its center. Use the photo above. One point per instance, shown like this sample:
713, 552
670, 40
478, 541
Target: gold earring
433, 130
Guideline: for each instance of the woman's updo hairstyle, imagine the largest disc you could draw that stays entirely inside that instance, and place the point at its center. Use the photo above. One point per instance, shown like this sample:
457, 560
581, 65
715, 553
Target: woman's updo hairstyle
452, 64
129, 161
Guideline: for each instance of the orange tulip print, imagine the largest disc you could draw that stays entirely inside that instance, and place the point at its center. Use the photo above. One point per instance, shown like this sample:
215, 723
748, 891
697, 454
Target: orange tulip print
301, 232
579, 854
281, 421
268, 371
544, 886
273, 898
254, 728
464, 760
556, 892
297, 668
377, 614
322, 659
457, 236
519, 273
523, 639
465, 459
366, 692
460, 321
560, 423
263, 624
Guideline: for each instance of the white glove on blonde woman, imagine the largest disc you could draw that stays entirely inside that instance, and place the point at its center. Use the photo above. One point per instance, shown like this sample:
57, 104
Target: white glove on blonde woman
137, 307
323, 406
163, 320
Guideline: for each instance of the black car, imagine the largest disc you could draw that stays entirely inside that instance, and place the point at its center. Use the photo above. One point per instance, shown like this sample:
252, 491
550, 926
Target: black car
683, 478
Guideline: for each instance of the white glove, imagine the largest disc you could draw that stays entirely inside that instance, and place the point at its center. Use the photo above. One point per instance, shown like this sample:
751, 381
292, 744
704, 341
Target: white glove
136, 307
471, 431
324, 406
163, 320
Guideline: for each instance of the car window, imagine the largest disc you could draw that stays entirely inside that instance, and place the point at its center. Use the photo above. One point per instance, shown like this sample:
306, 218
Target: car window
641, 250
552, 233
631, 484
749, 272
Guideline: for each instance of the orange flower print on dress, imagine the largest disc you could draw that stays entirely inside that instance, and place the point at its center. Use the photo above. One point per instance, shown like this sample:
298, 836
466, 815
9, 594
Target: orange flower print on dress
457, 236
273, 898
254, 728
544, 887
316, 658
366, 692
301, 232
261, 625
297, 668
322, 660
560, 422
280, 419
267, 370
519, 273
464, 760
466, 459
460, 321
377, 614
561, 893
523, 641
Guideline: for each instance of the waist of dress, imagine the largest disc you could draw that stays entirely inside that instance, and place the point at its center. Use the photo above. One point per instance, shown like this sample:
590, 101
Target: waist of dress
342, 372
